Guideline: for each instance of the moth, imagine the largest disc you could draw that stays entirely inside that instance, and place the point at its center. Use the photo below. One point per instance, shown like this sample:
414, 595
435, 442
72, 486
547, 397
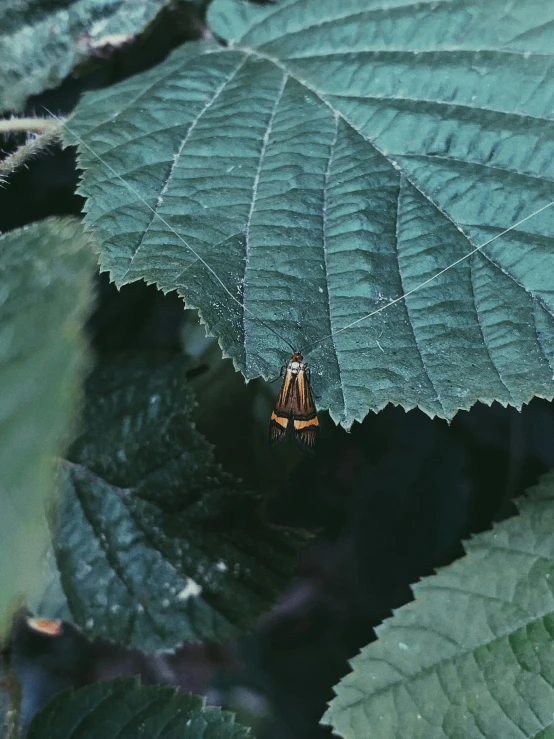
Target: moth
295, 406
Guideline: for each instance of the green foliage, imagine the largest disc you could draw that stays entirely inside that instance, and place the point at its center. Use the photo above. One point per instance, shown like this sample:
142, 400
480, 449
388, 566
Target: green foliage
124, 709
370, 184
41, 42
473, 655
328, 160
154, 544
45, 295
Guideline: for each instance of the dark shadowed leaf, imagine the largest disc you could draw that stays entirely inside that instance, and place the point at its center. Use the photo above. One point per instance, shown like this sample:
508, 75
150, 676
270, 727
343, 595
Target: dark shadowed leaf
154, 544
124, 709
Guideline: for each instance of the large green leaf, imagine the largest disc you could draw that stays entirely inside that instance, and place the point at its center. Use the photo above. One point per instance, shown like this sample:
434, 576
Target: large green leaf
331, 158
154, 544
124, 709
41, 41
473, 655
45, 276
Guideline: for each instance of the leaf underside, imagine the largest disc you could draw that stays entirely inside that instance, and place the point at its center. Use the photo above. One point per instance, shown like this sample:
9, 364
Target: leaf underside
331, 158
45, 272
473, 655
124, 709
154, 545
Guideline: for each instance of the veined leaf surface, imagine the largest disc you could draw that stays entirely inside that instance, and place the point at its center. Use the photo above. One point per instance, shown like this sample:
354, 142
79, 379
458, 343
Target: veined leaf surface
154, 544
329, 159
124, 708
473, 655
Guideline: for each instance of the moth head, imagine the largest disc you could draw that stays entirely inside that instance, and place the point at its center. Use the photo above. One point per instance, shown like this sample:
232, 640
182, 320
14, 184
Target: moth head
296, 363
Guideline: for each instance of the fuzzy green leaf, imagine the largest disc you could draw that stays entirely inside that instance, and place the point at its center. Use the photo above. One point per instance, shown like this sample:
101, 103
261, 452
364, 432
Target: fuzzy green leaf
124, 709
473, 655
45, 273
42, 42
154, 544
331, 158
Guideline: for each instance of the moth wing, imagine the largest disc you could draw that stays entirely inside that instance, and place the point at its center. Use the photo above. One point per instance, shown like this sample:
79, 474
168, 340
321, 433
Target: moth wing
306, 433
295, 403
283, 404
302, 403
282, 413
277, 429
304, 414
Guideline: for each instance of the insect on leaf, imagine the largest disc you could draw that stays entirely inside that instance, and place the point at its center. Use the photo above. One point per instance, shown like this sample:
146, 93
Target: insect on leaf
329, 159
294, 407
154, 511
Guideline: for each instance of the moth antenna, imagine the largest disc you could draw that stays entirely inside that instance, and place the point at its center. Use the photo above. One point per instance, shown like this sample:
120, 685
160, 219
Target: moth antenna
174, 231
429, 279
293, 350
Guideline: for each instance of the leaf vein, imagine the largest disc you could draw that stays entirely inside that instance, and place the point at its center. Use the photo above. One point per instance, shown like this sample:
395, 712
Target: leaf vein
324, 219
472, 593
440, 104
255, 188
467, 163
482, 331
496, 700
351, 15
107, 550
169, 175
421, 52
110, 92
437, 664
546, 354
410, 322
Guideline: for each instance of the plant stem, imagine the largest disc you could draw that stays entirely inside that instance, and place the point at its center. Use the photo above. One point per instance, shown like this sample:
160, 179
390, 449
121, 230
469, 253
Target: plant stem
34, 125
47, 131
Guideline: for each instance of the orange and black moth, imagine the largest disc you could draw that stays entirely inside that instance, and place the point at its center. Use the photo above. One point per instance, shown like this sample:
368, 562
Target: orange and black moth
295, 406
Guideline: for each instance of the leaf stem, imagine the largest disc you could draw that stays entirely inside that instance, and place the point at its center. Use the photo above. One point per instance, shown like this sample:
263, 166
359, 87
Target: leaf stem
44, 131
34, 125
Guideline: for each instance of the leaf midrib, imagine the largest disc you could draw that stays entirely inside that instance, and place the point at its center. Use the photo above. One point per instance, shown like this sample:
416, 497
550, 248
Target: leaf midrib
408, 679
113, 562
208, 597
418, 52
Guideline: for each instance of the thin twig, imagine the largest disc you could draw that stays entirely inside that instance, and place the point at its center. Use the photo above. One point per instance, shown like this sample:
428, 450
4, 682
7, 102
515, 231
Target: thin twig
48, 132
33, 125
